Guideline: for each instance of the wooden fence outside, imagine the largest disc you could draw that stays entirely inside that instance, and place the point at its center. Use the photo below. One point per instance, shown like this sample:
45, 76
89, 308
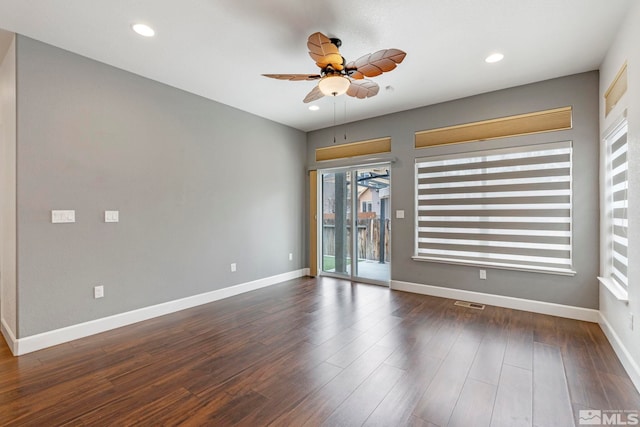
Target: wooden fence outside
368, 238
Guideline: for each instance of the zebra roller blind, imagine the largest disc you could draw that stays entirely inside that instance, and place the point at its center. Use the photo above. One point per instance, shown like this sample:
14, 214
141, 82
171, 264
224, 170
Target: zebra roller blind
617, 203
504, 208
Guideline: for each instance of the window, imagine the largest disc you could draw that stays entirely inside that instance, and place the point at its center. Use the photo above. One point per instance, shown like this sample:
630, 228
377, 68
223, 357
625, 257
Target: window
504, 208
616, 209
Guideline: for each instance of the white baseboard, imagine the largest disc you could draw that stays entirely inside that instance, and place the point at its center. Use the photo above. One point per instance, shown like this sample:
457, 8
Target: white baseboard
629, 364
32, 343
9, 336
541, 307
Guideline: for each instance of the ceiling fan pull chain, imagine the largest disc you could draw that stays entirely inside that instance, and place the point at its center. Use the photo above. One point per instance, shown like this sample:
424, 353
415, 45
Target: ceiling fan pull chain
344, 123
334, 119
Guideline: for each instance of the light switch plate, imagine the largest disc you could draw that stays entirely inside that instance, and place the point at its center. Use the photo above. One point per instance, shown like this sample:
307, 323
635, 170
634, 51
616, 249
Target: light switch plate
399, 214
98, 291
58, 217
111, 216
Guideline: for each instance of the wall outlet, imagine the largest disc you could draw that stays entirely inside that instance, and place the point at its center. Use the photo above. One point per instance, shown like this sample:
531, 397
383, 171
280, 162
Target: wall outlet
111, 216
483, 274
98, 291
290, 257
233, 267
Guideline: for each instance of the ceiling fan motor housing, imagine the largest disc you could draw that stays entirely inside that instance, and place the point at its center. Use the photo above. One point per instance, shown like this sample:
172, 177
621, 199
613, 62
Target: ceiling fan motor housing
329, 70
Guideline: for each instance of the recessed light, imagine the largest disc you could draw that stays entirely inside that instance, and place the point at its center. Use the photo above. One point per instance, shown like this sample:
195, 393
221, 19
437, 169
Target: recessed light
494, 57
143, 30
314, 108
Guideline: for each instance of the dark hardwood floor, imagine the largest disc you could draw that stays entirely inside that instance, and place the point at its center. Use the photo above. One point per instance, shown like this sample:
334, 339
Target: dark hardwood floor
322, 352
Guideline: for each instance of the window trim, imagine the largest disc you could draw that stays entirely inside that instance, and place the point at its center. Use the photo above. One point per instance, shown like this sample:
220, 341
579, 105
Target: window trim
487, 263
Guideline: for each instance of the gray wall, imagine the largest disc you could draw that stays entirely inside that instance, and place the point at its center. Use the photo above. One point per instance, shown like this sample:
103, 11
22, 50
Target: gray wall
579, 91
198, 185
8, 187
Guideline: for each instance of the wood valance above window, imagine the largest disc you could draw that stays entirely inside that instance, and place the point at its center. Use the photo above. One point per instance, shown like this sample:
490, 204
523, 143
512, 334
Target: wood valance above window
522, 124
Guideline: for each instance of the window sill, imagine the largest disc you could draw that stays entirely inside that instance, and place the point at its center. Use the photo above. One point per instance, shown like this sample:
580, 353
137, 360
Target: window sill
616, 290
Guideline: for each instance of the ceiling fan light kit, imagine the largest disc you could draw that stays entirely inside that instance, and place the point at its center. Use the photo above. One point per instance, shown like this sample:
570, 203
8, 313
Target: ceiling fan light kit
337, 76
334, 85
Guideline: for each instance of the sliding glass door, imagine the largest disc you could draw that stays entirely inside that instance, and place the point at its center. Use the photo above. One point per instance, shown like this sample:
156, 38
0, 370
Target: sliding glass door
336, 222
356, 245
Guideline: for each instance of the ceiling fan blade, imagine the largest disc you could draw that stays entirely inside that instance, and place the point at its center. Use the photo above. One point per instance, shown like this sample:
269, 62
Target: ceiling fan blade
293, 77
314, 95
363, 89
324, 52
374, 64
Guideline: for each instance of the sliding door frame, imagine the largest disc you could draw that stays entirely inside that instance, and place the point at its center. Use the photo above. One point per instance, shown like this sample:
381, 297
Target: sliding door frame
317, 240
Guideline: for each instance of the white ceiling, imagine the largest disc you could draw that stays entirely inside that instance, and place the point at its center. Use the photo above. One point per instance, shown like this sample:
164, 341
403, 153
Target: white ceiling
219, 48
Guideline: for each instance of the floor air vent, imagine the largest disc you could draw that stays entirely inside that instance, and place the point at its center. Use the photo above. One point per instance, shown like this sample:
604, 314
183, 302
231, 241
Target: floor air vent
470, 305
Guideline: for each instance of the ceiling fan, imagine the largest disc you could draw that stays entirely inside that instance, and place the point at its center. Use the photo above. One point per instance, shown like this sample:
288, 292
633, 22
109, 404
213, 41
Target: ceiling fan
338, 77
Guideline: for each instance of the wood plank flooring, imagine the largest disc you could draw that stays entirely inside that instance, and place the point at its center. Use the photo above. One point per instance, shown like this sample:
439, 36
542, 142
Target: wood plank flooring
322, 352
